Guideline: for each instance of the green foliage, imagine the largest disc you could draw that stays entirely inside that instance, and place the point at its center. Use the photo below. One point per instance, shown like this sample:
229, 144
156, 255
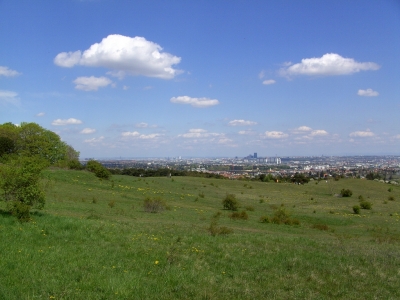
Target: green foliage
74, 164
20, 183
346, 193
365, 205
281, 216
265, 219
32, 140
239, 215
391, 198
98, 169
390, 189
356, 209
154, 205
230, 202
201, 195
372, 176
215, 229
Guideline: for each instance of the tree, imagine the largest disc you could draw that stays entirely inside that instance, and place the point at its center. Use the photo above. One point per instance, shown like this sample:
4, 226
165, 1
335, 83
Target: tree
98, 169
20, 184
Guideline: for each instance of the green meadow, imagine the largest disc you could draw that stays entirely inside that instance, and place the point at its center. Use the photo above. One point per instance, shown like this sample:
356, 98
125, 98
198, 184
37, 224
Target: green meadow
94, 240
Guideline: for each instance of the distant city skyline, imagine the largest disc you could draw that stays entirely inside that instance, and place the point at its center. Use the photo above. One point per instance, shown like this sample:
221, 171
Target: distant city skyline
205, 78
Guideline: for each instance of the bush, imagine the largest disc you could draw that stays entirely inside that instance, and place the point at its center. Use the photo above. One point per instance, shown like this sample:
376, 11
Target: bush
214, 229
346, 193
201, 195
249, 208
154, 205
230, 202
98, 169
356, 209
365, 205
391, 198
74, 165
239, 216
265, 219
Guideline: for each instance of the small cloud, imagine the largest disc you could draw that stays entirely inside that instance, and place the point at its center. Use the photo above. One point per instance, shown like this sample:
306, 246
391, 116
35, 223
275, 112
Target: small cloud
88, 131
261, 75
246, 132
318, 133
5, 71
269, 81
149, 136
195, 102
124, 55
366, 133
125, 88
130, 134
241, 123
94, 140
41, 114
142, 125
91, 83
198, 133
9, 97
328, 65
275, 135
70, 121
367, 93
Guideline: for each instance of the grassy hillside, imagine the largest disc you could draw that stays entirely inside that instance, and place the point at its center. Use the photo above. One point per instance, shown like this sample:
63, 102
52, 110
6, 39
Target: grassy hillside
94, 240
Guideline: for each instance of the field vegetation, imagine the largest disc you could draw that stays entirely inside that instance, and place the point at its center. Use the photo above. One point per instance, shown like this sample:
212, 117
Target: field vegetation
173, 238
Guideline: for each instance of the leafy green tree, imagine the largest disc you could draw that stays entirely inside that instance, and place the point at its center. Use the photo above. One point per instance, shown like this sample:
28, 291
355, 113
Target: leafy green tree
20, 185
98, 169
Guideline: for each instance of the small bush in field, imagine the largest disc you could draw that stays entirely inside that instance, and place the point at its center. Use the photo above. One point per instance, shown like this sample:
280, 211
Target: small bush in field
346, 193
360, 198
201, 195
21, 211
94, 200
230, 202
390, 189
356, 209
154, 205
281, 216
239, 216
249, 208
111, 204
214, 229
365, 205
391, 198
320, 226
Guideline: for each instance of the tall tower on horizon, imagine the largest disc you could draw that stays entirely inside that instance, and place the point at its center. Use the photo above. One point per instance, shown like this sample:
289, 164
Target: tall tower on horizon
255, 155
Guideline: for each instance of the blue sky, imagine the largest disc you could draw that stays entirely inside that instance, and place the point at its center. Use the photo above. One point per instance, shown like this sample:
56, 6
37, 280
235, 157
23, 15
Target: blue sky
205, 78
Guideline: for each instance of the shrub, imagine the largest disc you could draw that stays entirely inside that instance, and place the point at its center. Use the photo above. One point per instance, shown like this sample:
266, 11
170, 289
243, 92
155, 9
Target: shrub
201, 195
154, 205
74, 165
111, 204
98, 169
391, 198
249, 208
320, 226
265, 219
390, 189
214, 229
230, 202
361, 198
346, 193
239, 216
365, 205
356, 209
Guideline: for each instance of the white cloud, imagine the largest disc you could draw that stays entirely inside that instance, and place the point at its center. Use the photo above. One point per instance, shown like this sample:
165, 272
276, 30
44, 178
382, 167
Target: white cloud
328, 64
269, 81
9, 97
275, 135
88, 130
149, 136
241, 123
70, 121
5, 71
124, 55
196, 102
94, 140
41, 114
130, 134
362, 134
198, 133
246, 132
367, 93
318, 132
91, 83
302, 130
142, 125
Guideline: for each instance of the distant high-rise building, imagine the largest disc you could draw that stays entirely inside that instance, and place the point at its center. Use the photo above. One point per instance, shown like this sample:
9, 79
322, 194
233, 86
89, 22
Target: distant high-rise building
255, 155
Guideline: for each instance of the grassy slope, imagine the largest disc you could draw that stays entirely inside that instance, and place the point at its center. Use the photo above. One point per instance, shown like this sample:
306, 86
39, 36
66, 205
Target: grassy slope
81, 248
